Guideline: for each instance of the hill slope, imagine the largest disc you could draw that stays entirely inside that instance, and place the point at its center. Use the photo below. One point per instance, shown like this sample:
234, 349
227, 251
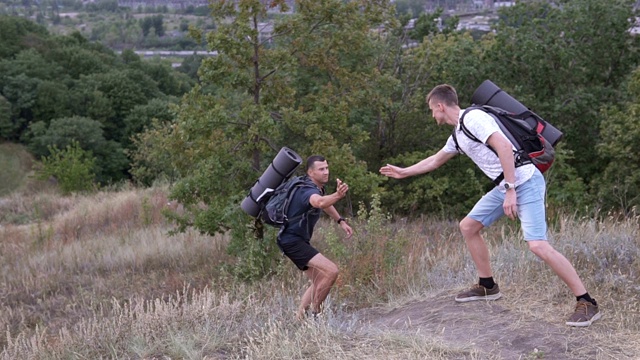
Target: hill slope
16, 164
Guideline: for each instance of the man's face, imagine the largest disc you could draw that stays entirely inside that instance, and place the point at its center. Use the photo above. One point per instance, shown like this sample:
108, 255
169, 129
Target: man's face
437, 111
319, 172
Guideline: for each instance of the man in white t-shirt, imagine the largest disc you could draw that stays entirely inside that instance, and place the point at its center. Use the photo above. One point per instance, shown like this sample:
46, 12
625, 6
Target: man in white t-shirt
519, 194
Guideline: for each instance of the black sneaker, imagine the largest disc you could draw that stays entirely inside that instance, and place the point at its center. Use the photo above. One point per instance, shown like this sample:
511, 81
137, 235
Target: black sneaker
479, 292
584, 314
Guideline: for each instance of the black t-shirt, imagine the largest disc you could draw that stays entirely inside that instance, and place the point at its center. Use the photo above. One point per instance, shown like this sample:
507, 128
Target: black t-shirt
301, 228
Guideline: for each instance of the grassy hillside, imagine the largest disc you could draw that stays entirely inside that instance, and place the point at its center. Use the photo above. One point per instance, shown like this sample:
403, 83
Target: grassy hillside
15, 166
98, 276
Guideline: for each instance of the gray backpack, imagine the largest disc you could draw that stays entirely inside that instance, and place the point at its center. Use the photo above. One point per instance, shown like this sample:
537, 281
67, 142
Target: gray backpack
275, 208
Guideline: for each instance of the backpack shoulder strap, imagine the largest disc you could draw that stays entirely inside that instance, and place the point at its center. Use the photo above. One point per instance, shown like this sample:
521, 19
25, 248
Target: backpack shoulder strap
300, 182
464, 128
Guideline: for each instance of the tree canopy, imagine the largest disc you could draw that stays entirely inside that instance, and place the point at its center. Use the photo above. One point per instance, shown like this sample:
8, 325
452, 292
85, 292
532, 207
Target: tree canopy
345, 79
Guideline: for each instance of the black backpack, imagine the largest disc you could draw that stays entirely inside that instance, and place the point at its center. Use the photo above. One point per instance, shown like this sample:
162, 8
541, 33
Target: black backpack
275, 207
526, 137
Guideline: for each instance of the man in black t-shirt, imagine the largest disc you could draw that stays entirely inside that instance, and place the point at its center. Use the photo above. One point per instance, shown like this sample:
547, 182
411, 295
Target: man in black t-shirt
294, 239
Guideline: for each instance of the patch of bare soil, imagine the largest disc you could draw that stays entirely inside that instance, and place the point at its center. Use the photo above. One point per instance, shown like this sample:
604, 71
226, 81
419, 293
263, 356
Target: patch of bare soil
498, 329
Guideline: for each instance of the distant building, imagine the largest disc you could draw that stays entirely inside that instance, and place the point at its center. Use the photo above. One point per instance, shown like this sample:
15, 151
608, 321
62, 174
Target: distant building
499, 4
181, 4
481, 23
265, 31
172, 4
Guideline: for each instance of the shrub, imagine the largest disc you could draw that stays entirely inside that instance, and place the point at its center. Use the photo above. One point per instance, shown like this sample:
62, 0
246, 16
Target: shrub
72, 167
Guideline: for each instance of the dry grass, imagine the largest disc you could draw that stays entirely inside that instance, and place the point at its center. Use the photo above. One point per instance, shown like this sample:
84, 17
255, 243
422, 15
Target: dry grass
16, 163
89, 277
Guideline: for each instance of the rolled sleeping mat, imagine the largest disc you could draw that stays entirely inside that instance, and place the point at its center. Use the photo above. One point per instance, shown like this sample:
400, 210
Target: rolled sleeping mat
280, 169
490, 94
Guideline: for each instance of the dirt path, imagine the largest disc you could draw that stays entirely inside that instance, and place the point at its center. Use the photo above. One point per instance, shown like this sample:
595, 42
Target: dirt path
492, 328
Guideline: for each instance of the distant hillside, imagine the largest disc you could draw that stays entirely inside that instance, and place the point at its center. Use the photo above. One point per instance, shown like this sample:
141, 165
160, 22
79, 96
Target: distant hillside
15, 165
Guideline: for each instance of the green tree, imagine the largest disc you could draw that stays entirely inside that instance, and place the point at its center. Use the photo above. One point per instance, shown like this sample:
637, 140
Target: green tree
111, 163
142, 116
298, 86
30, 63
14, 33
72, 167
412, 7
566, 62
167, 80
52, 101
21, 92
158, 161
156, 22
433, 23
146, 24
405, 132
190, 66
6, 125
77, 61
121, 91
619, 185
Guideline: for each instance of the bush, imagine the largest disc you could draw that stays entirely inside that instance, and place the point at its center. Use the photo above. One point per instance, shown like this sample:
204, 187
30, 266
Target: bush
72, 167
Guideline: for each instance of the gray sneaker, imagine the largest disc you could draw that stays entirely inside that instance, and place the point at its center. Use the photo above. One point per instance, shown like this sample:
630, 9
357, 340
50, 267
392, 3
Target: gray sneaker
584, 314
479, 292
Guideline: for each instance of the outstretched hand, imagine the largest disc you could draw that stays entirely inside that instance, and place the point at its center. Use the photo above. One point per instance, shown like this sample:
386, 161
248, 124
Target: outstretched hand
392, 171
341, 188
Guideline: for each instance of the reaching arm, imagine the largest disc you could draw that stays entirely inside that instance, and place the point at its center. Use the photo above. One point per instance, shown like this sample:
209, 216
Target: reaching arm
427, 165
323, 202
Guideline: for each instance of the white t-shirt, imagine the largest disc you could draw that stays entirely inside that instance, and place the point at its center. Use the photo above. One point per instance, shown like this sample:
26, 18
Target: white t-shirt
483, 125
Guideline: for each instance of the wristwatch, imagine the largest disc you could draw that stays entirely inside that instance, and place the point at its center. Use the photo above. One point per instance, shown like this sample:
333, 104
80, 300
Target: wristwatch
508, 186
341, 219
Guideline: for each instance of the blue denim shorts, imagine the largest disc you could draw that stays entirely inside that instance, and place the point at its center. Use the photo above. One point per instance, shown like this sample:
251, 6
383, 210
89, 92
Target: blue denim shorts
531, 208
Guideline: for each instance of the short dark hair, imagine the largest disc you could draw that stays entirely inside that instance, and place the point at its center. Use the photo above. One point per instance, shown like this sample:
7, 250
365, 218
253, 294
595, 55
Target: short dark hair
444, 93
312, 159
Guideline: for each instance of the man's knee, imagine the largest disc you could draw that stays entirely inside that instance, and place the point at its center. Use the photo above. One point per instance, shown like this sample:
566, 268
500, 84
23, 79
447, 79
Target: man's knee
324, 267
469, 227
333, 272
540, 247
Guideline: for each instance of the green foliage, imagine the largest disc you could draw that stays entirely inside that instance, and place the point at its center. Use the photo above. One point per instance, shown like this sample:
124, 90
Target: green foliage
429, 24
157, 159
6, 124
448, 192
155, 22
302, 93
565, 186
372, 257
255, 259
142, 116
14, 33
410, 7
110, 159
566, 62
190, 65
20, 91
72, 167
103, 5
324, 82
69, 77
618, 186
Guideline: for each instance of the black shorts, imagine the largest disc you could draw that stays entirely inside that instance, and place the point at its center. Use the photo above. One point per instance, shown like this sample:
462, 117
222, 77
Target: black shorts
299, 251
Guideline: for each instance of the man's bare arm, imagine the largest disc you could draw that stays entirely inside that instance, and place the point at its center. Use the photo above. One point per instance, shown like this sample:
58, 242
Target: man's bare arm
427, 165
